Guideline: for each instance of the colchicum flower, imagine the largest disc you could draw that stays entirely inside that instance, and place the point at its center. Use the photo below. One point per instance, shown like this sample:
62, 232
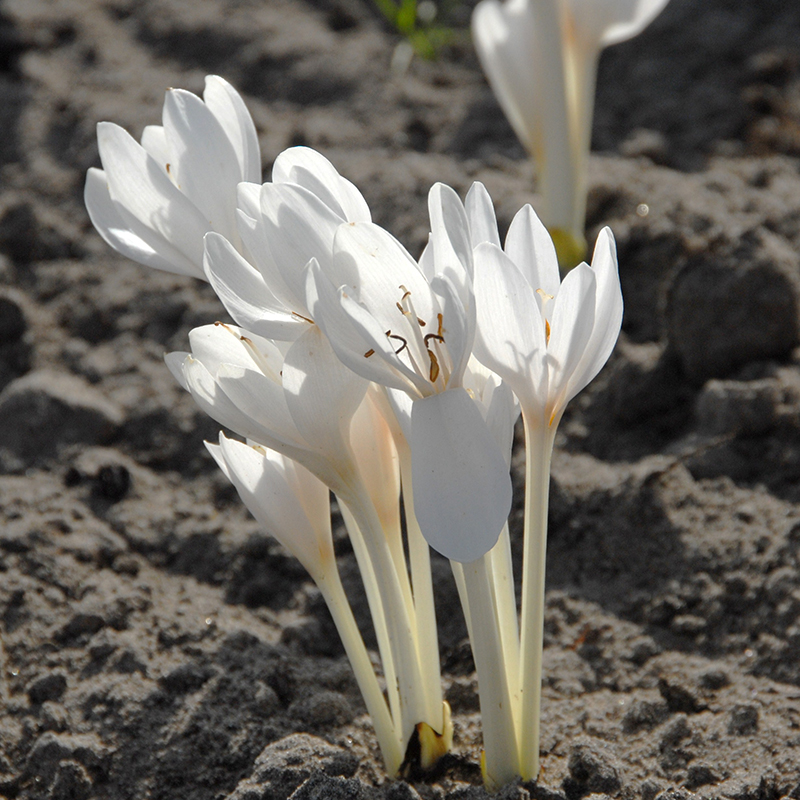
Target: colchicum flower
547, 339
153, 202
412, 332
540, 57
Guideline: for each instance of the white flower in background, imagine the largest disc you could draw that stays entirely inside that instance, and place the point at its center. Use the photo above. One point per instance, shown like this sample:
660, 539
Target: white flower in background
283, 224
411, 332
153, 202
540, 57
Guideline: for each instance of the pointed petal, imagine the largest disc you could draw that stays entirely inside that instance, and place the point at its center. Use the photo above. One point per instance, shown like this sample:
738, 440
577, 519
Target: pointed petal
607, 22
450, 235
312, 171
607, 314
245, 295
458, 326
505, 41
510, 336
298, 226
571, 326
139, 185
206, 169
481, 216
263, 481
154, 140
462, 488
322, 394
530, 247
174, 362
226, 104
127, 235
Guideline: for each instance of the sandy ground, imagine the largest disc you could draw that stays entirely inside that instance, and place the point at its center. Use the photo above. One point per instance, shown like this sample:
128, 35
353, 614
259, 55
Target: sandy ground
155, 644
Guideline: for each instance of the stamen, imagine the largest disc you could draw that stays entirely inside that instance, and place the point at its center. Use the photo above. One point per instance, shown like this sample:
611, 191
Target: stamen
547, 332
434, 373
433, 336
300, 316
369, 353
399, 338
441, 326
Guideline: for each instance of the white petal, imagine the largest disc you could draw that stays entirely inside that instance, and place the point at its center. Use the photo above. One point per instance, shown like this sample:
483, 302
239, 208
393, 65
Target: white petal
264, 484
458, 326
244, 293
218, 344
154, 140
262, 402
140, 186
228, 107
127, 235
211, 398
322, 394
608, 22
450, 235
571, 324
607, 314
375, 265
462, 488
248, 198
175, 362
510, 336
505, 42
481, 216
312, 171
530, 247
298, 226
206, 168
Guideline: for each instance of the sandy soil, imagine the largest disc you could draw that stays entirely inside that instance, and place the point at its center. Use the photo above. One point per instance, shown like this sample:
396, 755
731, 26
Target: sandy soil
155, 644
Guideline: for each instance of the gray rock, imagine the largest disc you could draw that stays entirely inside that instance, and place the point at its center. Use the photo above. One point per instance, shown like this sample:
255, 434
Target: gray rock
592, 769
286, 764
325, 787
45, 409
48, 687
738, 305
727, 407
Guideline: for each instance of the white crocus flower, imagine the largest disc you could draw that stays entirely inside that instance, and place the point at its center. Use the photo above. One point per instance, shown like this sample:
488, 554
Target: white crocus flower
293, 506
393, 324
547, 339
283, 224
540, 57
153, 202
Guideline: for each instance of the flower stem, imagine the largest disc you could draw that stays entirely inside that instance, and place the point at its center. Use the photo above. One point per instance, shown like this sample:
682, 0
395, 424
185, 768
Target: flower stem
500, 760
539, 439
331, 588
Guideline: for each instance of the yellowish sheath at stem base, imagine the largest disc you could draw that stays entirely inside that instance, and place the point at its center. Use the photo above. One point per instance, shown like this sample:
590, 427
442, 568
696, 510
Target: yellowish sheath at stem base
570, 249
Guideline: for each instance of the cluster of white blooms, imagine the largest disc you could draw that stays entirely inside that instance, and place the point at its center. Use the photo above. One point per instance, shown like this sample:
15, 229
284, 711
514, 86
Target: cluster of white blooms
356, 369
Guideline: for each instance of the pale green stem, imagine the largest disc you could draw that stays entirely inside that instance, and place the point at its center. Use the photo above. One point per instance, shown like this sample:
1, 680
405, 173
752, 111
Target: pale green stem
500, 761
376, 609
399, 617
554, 161
583, 59
425, 610
539, 439
332, 591
502, 575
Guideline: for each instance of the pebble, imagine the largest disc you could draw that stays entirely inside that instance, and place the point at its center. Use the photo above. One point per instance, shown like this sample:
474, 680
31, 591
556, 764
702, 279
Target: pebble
45, 409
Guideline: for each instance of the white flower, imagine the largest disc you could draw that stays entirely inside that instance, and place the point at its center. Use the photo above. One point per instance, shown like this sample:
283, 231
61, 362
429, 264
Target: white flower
283, 225
392, 323
153, 202
540, 57
545, 337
